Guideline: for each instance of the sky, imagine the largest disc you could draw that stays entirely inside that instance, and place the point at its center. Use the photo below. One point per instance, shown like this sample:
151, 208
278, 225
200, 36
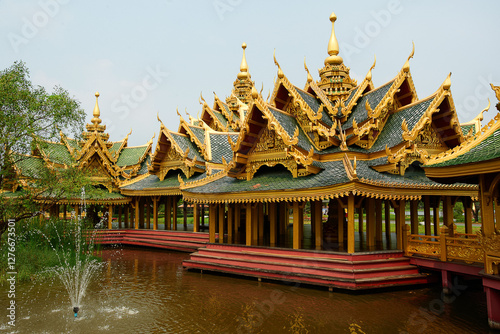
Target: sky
149, 58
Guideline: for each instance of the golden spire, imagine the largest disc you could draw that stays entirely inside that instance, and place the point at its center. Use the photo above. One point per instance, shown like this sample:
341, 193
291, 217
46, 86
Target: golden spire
96, 120
243, 67
333, 46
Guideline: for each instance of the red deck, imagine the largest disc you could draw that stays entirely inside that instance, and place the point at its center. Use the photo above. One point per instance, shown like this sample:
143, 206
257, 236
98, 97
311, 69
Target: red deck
175, 240
338, 270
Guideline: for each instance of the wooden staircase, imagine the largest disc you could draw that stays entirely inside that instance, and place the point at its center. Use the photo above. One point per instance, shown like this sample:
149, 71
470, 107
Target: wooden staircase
336, 270
174, 240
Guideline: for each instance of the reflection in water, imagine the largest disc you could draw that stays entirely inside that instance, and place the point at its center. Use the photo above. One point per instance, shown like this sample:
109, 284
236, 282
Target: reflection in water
148, 291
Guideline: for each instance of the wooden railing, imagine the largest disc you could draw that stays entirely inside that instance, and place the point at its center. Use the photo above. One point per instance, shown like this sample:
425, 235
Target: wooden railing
460, 246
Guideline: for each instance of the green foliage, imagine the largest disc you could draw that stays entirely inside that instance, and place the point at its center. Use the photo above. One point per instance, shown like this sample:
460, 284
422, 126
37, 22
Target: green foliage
29, 117
458, 211
40, 246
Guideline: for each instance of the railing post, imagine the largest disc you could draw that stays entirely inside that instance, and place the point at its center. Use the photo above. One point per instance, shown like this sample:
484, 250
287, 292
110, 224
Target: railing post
443, 235
406, 237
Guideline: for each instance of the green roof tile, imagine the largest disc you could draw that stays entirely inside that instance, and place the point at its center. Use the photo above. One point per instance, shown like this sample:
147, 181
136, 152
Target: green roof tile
184, 143
221, 147
131, 155
487, 149
359, 111
56, 152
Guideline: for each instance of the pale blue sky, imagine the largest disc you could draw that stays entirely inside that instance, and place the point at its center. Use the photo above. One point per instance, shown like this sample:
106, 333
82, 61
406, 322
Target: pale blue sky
149, 57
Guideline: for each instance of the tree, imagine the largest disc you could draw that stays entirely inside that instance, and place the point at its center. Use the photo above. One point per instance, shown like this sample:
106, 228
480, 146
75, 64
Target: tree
30, 116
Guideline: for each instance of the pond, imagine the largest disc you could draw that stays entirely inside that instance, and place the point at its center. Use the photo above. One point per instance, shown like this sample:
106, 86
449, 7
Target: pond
141, 290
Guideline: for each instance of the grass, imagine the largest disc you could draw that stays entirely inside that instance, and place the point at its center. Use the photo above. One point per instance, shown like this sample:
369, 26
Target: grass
37, 247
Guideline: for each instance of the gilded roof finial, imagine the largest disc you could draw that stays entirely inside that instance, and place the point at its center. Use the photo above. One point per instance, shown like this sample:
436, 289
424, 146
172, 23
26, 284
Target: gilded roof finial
309, 77
447, 82
280, 72
369, 74
333, 45
243, 67
96, 120
406, 66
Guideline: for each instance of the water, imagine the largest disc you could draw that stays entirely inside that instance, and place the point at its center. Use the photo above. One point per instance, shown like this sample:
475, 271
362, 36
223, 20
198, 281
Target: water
148, 291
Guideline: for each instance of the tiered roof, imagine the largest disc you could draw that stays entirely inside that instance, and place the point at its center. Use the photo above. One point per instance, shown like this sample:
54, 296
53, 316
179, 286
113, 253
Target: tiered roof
332, 138
111, 163
479, 154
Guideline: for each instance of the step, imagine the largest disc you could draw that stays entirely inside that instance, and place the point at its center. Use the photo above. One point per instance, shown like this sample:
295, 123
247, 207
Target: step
334, 263
341, 282
364, 256
311, 268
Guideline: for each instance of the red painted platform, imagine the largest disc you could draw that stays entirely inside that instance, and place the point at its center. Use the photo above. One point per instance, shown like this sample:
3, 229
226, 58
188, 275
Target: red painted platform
174, 240
337, 270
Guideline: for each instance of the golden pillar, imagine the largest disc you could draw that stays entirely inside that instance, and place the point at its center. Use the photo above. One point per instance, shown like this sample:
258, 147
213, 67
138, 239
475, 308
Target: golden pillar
400, 221
350, 224
317, 208
110, 217
248, 224
155, 212
196, 218
212, 217
136, 212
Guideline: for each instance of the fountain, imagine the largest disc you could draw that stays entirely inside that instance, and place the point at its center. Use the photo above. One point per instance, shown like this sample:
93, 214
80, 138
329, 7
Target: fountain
76, 263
